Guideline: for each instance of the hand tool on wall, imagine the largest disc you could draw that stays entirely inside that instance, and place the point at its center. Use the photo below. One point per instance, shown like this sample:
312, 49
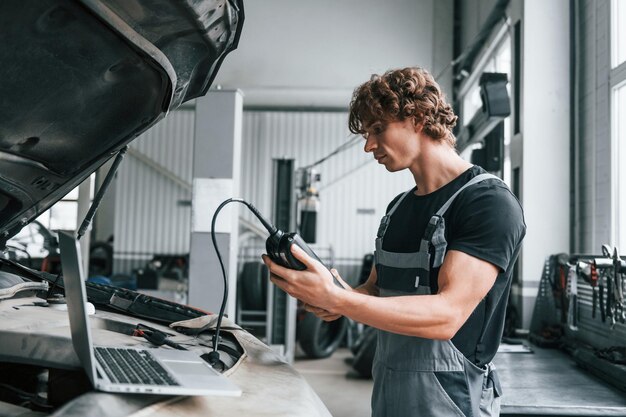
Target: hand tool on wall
620, 312
604, 267
619, 267
560, 292
601, 280
589, 272
593, 277
620, 284
609, 299
572, 311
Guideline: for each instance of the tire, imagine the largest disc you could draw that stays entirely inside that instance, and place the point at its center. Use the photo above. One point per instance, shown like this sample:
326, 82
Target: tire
318, 338
101, 259
253, 286
360, 336
364, 357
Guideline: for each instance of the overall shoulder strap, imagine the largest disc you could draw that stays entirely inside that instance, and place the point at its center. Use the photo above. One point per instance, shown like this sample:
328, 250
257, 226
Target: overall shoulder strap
395, 206
435, 231
478, 178
384, 222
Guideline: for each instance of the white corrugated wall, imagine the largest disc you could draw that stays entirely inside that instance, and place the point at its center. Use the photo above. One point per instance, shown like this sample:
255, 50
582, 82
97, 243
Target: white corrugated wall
152, 183
152, 210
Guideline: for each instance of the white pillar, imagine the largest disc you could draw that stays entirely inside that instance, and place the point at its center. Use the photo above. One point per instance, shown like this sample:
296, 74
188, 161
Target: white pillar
216, 165
545, 176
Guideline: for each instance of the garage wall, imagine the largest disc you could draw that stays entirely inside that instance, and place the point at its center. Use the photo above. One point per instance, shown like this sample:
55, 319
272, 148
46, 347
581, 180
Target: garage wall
593, 160
153, 194
594, 152
547, 139
314, 53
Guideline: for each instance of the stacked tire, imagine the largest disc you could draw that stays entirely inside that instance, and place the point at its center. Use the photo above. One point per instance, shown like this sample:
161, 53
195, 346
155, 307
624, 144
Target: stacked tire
318, 338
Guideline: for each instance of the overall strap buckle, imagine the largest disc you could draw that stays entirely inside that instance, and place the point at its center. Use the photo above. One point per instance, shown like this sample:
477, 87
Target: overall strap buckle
435, 234
435, 231
492, 380
384, 222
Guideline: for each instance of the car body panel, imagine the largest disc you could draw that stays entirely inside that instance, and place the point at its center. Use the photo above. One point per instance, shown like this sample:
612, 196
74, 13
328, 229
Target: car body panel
81, 79
270, 386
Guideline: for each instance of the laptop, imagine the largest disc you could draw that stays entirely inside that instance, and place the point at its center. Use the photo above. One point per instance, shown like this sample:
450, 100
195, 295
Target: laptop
127, 369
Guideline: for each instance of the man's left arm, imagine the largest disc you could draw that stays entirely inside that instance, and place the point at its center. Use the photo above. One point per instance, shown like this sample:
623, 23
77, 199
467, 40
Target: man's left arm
463, 282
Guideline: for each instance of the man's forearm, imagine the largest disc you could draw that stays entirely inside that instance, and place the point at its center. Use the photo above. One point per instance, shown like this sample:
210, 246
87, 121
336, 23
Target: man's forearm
426, 316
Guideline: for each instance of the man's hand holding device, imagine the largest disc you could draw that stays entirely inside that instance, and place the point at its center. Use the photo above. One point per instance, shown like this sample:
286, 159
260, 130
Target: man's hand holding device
316, 286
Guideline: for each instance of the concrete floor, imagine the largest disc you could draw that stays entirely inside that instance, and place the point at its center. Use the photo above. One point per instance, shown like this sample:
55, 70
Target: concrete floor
541, 382
343, 396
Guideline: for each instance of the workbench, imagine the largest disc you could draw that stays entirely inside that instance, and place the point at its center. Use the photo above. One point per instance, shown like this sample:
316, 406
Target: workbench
548, 382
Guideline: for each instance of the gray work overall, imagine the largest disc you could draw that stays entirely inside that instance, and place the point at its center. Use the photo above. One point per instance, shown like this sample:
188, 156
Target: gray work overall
423, 377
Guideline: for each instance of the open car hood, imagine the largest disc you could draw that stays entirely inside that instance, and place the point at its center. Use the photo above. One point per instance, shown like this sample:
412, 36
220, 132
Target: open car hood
79, 79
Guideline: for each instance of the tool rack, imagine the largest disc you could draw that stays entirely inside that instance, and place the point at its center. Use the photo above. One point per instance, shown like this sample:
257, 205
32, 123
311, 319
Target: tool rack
580, 308
565, 376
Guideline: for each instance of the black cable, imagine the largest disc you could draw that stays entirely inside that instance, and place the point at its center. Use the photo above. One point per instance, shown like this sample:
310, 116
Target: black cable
214, 356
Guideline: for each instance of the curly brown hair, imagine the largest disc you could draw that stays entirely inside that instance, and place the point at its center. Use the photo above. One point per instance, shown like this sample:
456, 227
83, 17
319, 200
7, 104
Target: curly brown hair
401, 94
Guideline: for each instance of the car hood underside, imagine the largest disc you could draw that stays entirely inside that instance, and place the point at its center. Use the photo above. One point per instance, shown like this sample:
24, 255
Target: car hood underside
81, 79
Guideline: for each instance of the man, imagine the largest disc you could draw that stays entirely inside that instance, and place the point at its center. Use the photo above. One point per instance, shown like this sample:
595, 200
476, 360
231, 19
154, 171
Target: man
444, 256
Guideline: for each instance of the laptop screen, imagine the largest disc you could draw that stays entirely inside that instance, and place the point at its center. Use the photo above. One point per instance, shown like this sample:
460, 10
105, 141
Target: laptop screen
76, 297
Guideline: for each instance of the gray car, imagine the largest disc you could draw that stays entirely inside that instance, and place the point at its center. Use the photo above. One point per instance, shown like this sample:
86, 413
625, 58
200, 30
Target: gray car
79, 80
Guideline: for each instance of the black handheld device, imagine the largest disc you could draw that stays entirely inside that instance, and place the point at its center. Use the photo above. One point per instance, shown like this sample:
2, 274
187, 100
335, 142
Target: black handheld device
278, 246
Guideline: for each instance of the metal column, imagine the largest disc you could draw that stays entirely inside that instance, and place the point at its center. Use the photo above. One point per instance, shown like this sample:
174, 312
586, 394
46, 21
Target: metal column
282, 308
216, 165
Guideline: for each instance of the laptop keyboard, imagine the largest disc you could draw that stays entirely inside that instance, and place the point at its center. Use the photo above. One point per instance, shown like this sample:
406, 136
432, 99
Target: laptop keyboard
130, 366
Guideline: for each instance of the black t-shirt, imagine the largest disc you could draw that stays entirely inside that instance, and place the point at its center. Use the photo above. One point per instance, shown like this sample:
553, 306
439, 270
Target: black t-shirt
485, 221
